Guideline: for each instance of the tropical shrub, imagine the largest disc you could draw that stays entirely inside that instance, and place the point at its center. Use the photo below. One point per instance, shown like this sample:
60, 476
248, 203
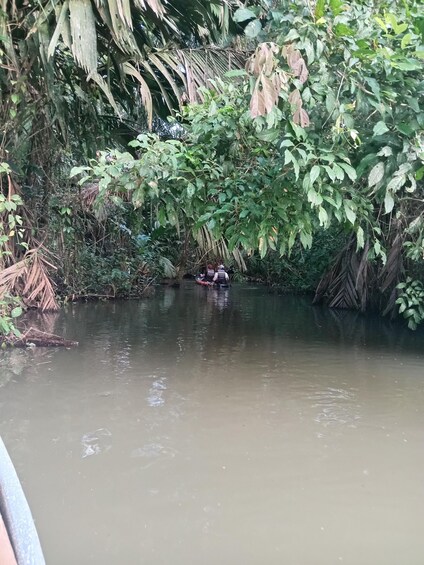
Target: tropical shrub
324, 128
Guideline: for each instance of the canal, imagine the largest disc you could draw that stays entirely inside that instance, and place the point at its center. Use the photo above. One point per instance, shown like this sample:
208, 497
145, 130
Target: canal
232, 427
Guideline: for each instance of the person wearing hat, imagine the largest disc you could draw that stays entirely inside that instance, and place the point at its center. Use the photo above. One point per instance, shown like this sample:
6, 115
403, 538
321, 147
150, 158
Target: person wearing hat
221, 276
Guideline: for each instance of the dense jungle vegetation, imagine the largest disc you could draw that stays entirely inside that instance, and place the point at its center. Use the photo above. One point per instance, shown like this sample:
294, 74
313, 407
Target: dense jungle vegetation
141, 138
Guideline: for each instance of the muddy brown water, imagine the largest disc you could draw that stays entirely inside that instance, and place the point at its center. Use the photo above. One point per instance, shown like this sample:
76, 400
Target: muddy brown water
235, 427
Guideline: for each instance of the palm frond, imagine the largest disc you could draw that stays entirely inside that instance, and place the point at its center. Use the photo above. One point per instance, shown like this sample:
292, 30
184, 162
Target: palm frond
61, 30
30, 279
211, 247
84, 35
346, 284
392, 272
169, 271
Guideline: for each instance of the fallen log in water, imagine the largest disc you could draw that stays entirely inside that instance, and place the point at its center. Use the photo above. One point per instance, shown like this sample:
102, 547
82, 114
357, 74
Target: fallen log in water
36, 338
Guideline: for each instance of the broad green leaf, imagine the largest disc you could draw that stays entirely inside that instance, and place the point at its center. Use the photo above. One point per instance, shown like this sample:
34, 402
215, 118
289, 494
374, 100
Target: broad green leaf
191, 189
381, 24
401, 28
408, 65
406, 40
16, 312
336, 6
330, 102
323, 216
396, 183
350, 213
319, 9
77, 171
388, 202
269, 134
376, 174
291, 36
385, 151
350, 171
243, 14
263, 247
338, 171
306, 239
253, 29
365, 163
16, 332
413, 103
406, 128
314, 174
314, 197
419, 175
288, 157
330, 172
360, 238
380, 128
375, 87
310, 54
319, 48
343, 30
296, 168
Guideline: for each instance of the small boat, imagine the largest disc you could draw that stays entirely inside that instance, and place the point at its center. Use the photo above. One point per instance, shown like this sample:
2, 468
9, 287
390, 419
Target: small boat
210, 284
19, 542
203, 282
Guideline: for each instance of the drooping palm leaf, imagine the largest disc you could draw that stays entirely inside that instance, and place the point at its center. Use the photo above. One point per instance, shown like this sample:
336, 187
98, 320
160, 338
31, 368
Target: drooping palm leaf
30, 279
210, 247
136, 53
346, 284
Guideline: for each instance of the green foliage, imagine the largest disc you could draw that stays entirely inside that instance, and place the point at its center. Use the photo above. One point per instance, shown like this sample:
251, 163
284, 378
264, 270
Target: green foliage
76, 75
10, 310
10, 231
325, 129
302, 271
411, 302
107, 249
322, 133
226, 175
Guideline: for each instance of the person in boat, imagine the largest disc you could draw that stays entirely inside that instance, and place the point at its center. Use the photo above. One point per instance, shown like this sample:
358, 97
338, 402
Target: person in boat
221, 276
210, 273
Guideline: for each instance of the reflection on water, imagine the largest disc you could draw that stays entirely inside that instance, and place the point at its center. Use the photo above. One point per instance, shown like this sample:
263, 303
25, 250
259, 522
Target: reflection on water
239, 426
335, 407
156, 397
96, 442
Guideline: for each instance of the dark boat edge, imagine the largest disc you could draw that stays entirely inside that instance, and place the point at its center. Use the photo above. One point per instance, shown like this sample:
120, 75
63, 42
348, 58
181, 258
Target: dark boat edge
16, 514
213, 285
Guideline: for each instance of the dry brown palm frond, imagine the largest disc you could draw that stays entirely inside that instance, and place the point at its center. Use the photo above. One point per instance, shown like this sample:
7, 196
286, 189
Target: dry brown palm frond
89, 194
347, 283
392, 272
29, 278
89, 202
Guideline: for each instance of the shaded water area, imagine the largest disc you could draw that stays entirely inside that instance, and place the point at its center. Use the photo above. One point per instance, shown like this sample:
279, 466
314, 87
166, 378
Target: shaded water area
233, 427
